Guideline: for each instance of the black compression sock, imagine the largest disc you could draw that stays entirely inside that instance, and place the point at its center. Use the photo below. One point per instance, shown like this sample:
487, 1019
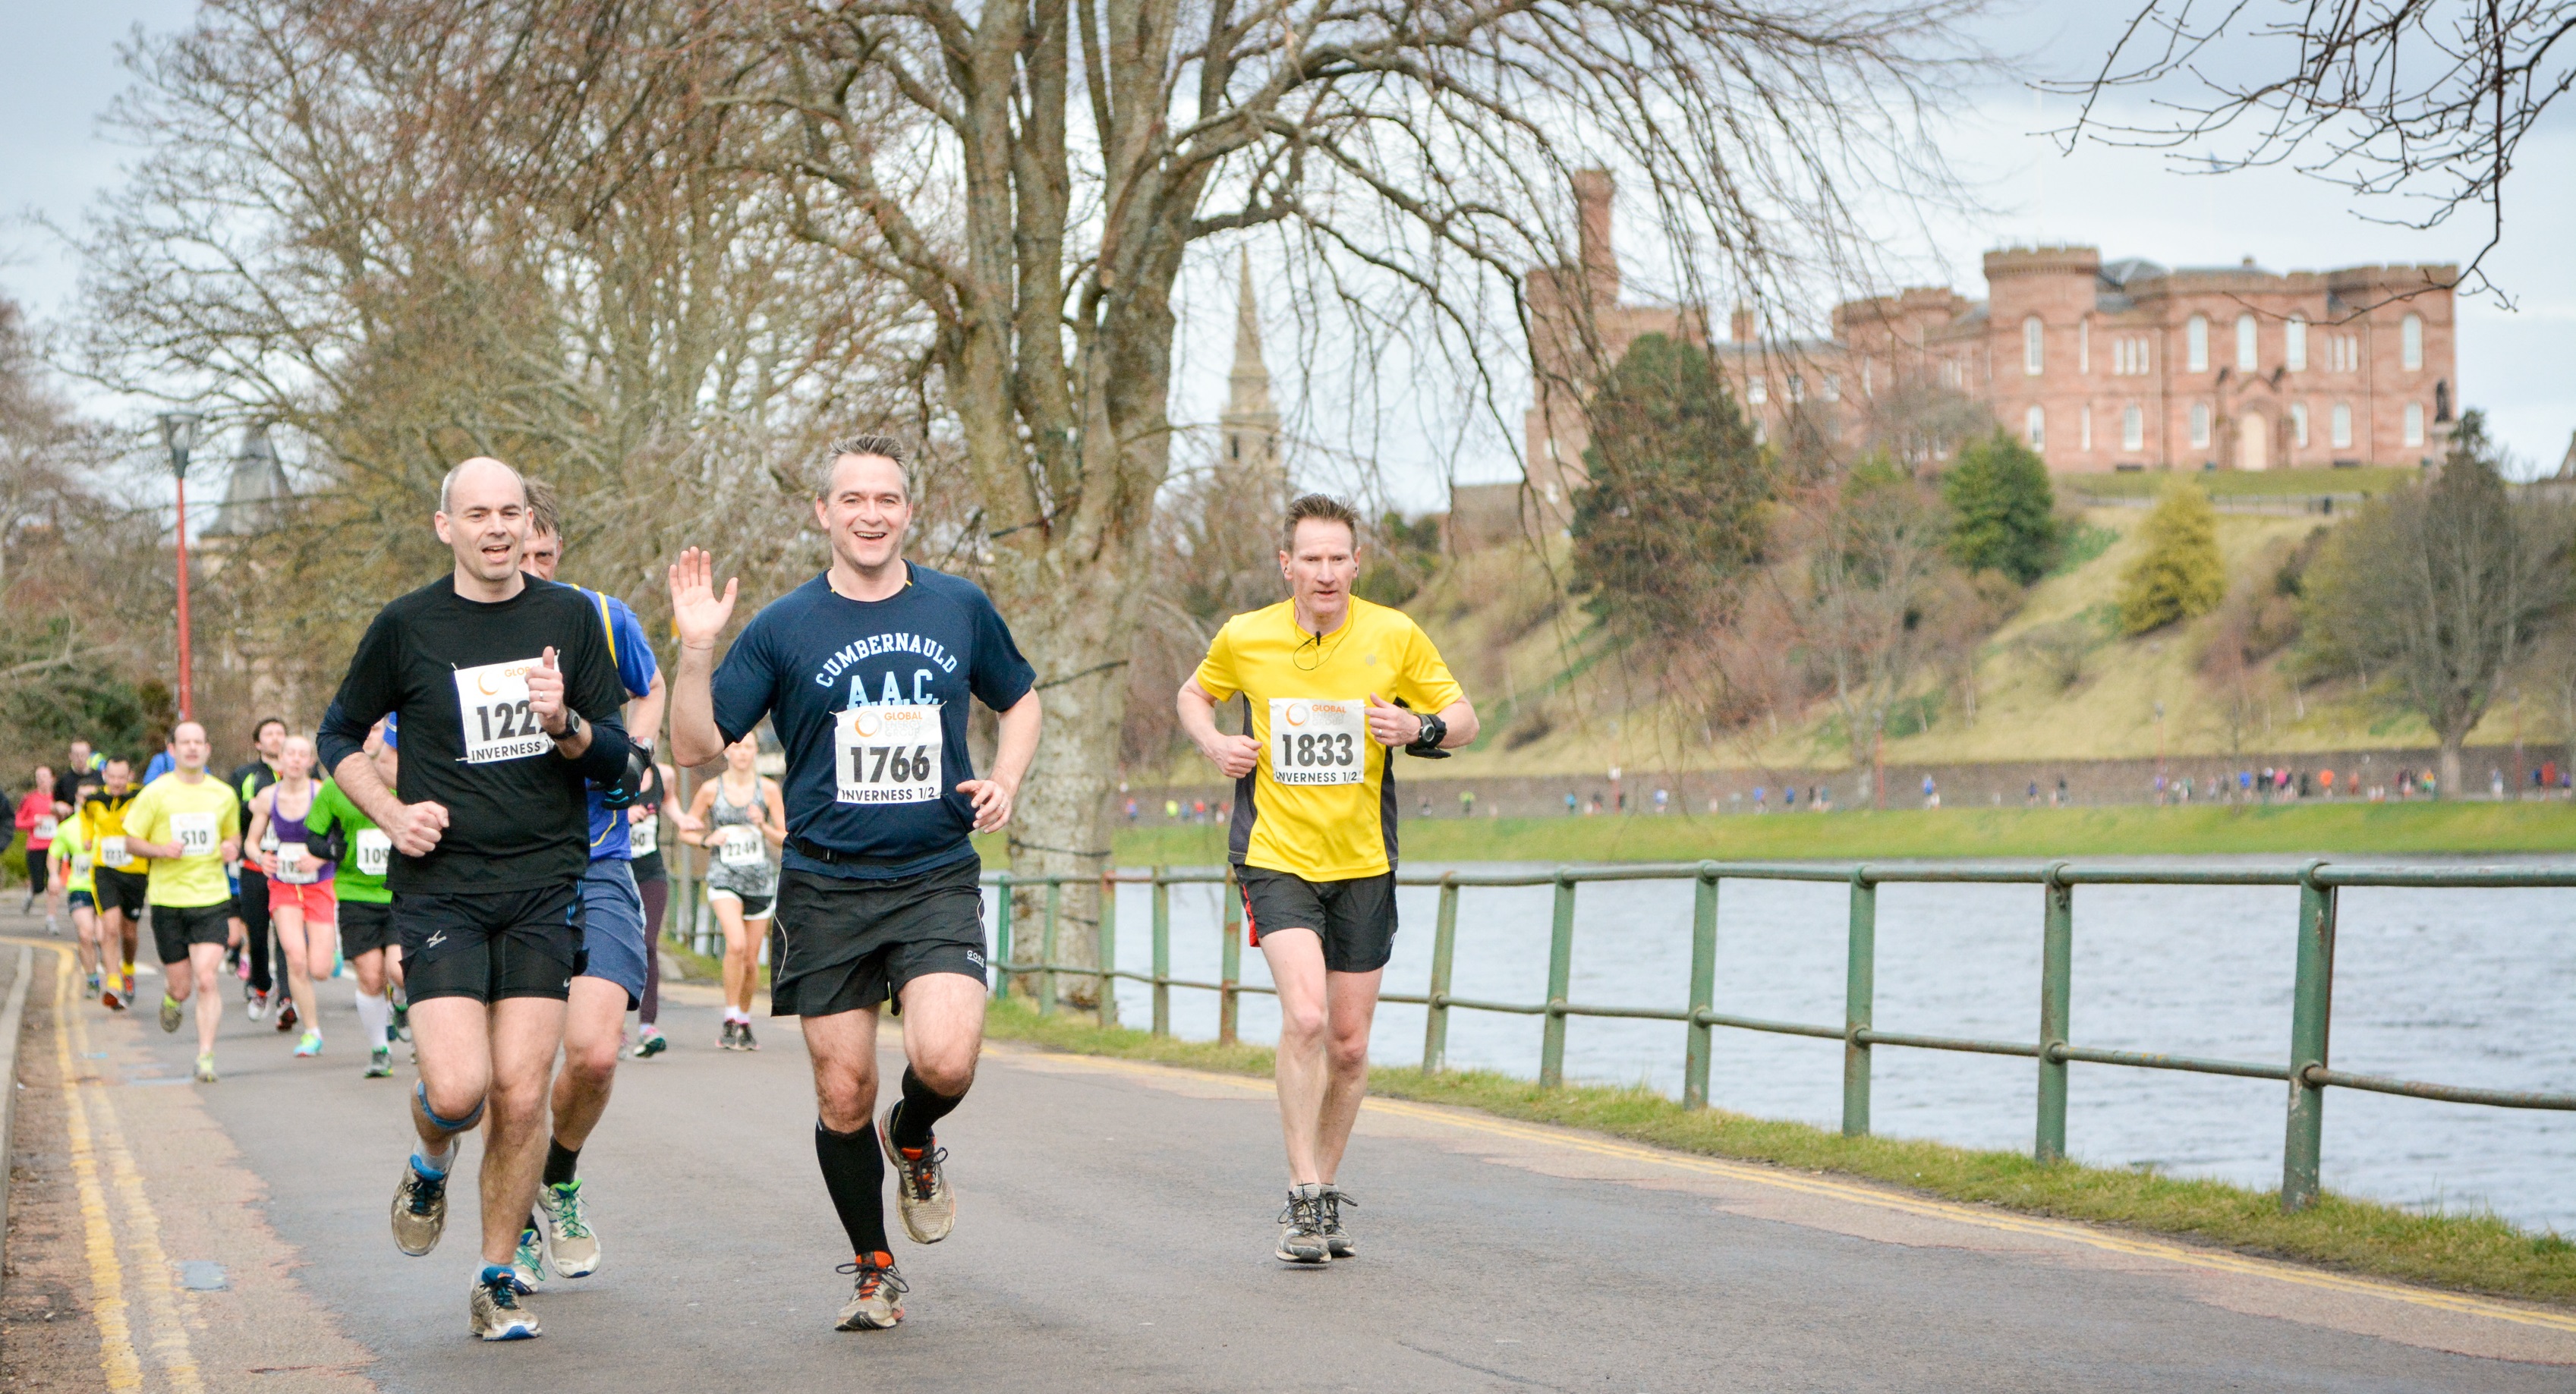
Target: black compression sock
921, 1111
560, 1160
854, 1172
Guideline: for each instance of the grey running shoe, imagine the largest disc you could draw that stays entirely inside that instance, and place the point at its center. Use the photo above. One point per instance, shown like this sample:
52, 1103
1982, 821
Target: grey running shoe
497, 1312
742, 1037
572, 1251
169, 1013
921, 1191
380, 1063
1301, 1227
420, 1210
1337, 1239
731, 1040
206, 1069
529, 1263
876, 1299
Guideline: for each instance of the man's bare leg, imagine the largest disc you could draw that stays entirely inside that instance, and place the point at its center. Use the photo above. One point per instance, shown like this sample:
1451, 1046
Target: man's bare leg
1350, 1008
526, 1031
1296, 958
93, 955
594, 1027
207, 961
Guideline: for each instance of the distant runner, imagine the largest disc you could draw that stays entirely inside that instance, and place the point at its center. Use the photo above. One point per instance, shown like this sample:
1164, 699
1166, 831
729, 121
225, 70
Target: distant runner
120, 875
656, 808
250, 905
1313, 839
189, 826
864, 672
365, 854
742, 825
303, 902
40, 814
73, 871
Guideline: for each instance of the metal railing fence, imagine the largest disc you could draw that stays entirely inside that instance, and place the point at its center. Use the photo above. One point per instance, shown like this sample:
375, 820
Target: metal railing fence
2305, 1071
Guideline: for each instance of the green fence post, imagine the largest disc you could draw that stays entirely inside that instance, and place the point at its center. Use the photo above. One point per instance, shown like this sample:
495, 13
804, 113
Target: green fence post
1002, 939
2311, 1014
1162, 952
1703, 987
1046, 948
1560, 972
1229, 993
2056, 985
1444, 947
1108, 950
1860, 988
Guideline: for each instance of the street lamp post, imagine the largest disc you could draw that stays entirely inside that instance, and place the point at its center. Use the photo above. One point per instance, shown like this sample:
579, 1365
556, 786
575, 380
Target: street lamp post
179, 435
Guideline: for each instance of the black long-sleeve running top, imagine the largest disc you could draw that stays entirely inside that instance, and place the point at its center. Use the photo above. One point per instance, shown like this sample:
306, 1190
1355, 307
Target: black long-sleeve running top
454, 671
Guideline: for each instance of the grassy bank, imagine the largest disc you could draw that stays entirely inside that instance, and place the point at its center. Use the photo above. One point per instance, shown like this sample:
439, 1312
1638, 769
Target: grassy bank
2469, 1253
2321, 829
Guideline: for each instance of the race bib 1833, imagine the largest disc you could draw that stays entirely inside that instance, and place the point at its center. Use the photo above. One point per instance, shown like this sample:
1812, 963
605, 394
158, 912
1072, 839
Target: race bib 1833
1318, 742
194, 832
887, 754
492, 701
374, 849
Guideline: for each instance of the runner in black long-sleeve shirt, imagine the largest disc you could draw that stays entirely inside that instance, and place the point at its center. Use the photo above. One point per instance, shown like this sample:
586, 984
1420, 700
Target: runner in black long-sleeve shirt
508, 701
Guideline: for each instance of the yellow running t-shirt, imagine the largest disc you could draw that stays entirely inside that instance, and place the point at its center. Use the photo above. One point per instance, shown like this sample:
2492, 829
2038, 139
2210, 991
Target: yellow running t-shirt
199, 817
102, 818
1321, 802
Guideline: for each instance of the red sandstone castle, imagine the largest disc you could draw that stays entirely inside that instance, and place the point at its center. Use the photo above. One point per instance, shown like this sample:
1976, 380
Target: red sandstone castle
2097, 365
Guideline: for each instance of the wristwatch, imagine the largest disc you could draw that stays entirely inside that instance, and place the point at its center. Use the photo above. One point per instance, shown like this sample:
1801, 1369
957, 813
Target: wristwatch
572, 725
1426, 742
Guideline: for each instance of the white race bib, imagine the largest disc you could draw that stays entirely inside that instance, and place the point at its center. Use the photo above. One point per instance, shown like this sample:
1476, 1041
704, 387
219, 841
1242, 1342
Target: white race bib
111, 852
195, 833
375, 851
268, 839
644, 836
1318, 742
44, 831
887, 754
492, 702
80, 865
295, 864
741, 846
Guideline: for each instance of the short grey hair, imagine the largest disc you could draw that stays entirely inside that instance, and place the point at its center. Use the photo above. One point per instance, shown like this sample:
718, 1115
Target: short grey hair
447, 482
883, 447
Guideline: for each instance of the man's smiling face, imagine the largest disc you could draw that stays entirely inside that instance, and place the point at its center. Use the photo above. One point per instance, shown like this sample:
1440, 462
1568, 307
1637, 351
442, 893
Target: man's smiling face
865, 510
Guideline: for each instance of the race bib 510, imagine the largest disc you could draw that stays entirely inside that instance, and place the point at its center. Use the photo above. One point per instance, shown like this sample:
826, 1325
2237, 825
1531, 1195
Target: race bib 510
887, 754
492, 702
195, 833
1318, 742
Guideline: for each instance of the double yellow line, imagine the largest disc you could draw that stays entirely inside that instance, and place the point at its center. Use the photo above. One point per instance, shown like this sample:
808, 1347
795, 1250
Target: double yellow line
111, 1185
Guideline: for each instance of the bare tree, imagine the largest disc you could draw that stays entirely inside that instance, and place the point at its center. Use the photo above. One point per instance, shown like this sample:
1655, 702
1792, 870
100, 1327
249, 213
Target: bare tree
1413, 163
2442, 587
2419, 106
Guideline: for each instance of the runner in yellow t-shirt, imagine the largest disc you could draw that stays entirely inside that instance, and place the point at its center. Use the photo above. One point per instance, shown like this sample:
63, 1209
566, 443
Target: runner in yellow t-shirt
73, 872
1332, 685
189, 826
119, 874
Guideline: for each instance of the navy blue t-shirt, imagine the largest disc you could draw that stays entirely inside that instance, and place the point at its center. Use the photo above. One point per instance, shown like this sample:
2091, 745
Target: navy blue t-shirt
843, 683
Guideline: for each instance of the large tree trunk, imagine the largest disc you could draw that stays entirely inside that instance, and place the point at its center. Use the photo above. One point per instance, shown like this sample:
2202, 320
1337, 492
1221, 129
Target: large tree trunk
2451, 741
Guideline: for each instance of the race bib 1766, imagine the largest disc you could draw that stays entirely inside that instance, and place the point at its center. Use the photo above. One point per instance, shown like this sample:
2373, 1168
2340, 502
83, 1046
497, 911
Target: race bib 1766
887, 754
1318, 742
374, 849
492, 701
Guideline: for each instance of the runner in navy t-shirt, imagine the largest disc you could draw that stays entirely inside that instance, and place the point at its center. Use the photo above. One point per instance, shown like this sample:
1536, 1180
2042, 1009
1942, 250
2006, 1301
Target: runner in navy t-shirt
864, 673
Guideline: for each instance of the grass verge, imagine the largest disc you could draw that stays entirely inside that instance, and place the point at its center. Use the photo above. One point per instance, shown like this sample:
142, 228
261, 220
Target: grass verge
2321, 829
2471, 1253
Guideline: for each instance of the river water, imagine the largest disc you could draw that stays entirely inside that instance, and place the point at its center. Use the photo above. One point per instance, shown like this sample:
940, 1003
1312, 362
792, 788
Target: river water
2472, 987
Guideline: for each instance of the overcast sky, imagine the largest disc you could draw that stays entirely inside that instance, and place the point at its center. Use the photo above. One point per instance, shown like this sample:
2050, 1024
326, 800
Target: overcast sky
61, 71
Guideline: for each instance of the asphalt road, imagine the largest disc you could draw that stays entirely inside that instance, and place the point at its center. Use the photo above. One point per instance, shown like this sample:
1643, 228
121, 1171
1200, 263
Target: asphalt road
1114, 1233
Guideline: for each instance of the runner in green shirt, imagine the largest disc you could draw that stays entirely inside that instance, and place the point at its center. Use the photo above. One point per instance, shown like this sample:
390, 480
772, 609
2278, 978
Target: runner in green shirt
367, 939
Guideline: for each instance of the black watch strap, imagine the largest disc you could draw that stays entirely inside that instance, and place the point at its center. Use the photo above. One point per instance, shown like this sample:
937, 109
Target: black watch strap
1426, 742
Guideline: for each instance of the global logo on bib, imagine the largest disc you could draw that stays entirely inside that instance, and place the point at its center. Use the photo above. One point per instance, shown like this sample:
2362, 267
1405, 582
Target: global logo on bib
1296, 714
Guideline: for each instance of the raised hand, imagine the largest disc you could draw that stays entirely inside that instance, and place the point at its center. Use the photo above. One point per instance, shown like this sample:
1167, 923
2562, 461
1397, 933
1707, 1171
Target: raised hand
546, 693
696, 610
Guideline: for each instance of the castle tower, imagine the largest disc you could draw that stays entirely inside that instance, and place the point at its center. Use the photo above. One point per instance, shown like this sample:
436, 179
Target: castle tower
1250, 425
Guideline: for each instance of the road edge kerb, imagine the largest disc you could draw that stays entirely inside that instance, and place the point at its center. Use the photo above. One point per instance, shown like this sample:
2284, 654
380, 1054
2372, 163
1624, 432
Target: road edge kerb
13, 1020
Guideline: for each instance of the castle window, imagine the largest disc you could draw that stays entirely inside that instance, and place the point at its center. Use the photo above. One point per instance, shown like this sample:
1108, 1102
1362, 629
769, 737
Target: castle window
2200, 425
1833, 387
2133, 428
2196, 343
2086, 421
2035, 421
1756, 390
2410, 338
2084, 346
2034, 357
2294, 344
2414, 423
2299, 424
2342, 436
2245, 343
1797, 388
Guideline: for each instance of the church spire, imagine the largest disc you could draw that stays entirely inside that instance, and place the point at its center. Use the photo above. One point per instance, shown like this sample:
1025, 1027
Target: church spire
1250, 426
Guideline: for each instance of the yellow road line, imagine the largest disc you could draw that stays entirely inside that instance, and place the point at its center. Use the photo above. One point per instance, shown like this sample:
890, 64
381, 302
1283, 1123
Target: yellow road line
143, 1234
107, 1278
2090, 1236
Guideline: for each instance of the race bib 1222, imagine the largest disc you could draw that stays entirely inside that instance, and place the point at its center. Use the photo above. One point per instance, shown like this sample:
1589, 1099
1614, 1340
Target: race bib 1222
1313, 741
887, 754
492, 703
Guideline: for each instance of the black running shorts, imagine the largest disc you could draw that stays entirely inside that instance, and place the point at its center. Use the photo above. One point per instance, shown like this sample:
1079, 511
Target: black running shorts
121, 890
841, 945
489, 945
175, 927
1354, 918
250, 903
365, 926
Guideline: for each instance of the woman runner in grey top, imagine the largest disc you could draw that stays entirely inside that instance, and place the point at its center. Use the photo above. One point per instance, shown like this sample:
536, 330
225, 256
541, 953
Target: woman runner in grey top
742, 822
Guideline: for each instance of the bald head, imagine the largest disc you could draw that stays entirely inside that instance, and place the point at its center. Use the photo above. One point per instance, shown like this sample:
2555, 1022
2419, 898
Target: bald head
482, 468
483, 518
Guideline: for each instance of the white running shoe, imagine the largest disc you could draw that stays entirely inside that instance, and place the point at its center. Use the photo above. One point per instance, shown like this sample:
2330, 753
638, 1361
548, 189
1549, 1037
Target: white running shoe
921, 1190
572, 1251
876, 1298
495, 1311
1301, 1227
